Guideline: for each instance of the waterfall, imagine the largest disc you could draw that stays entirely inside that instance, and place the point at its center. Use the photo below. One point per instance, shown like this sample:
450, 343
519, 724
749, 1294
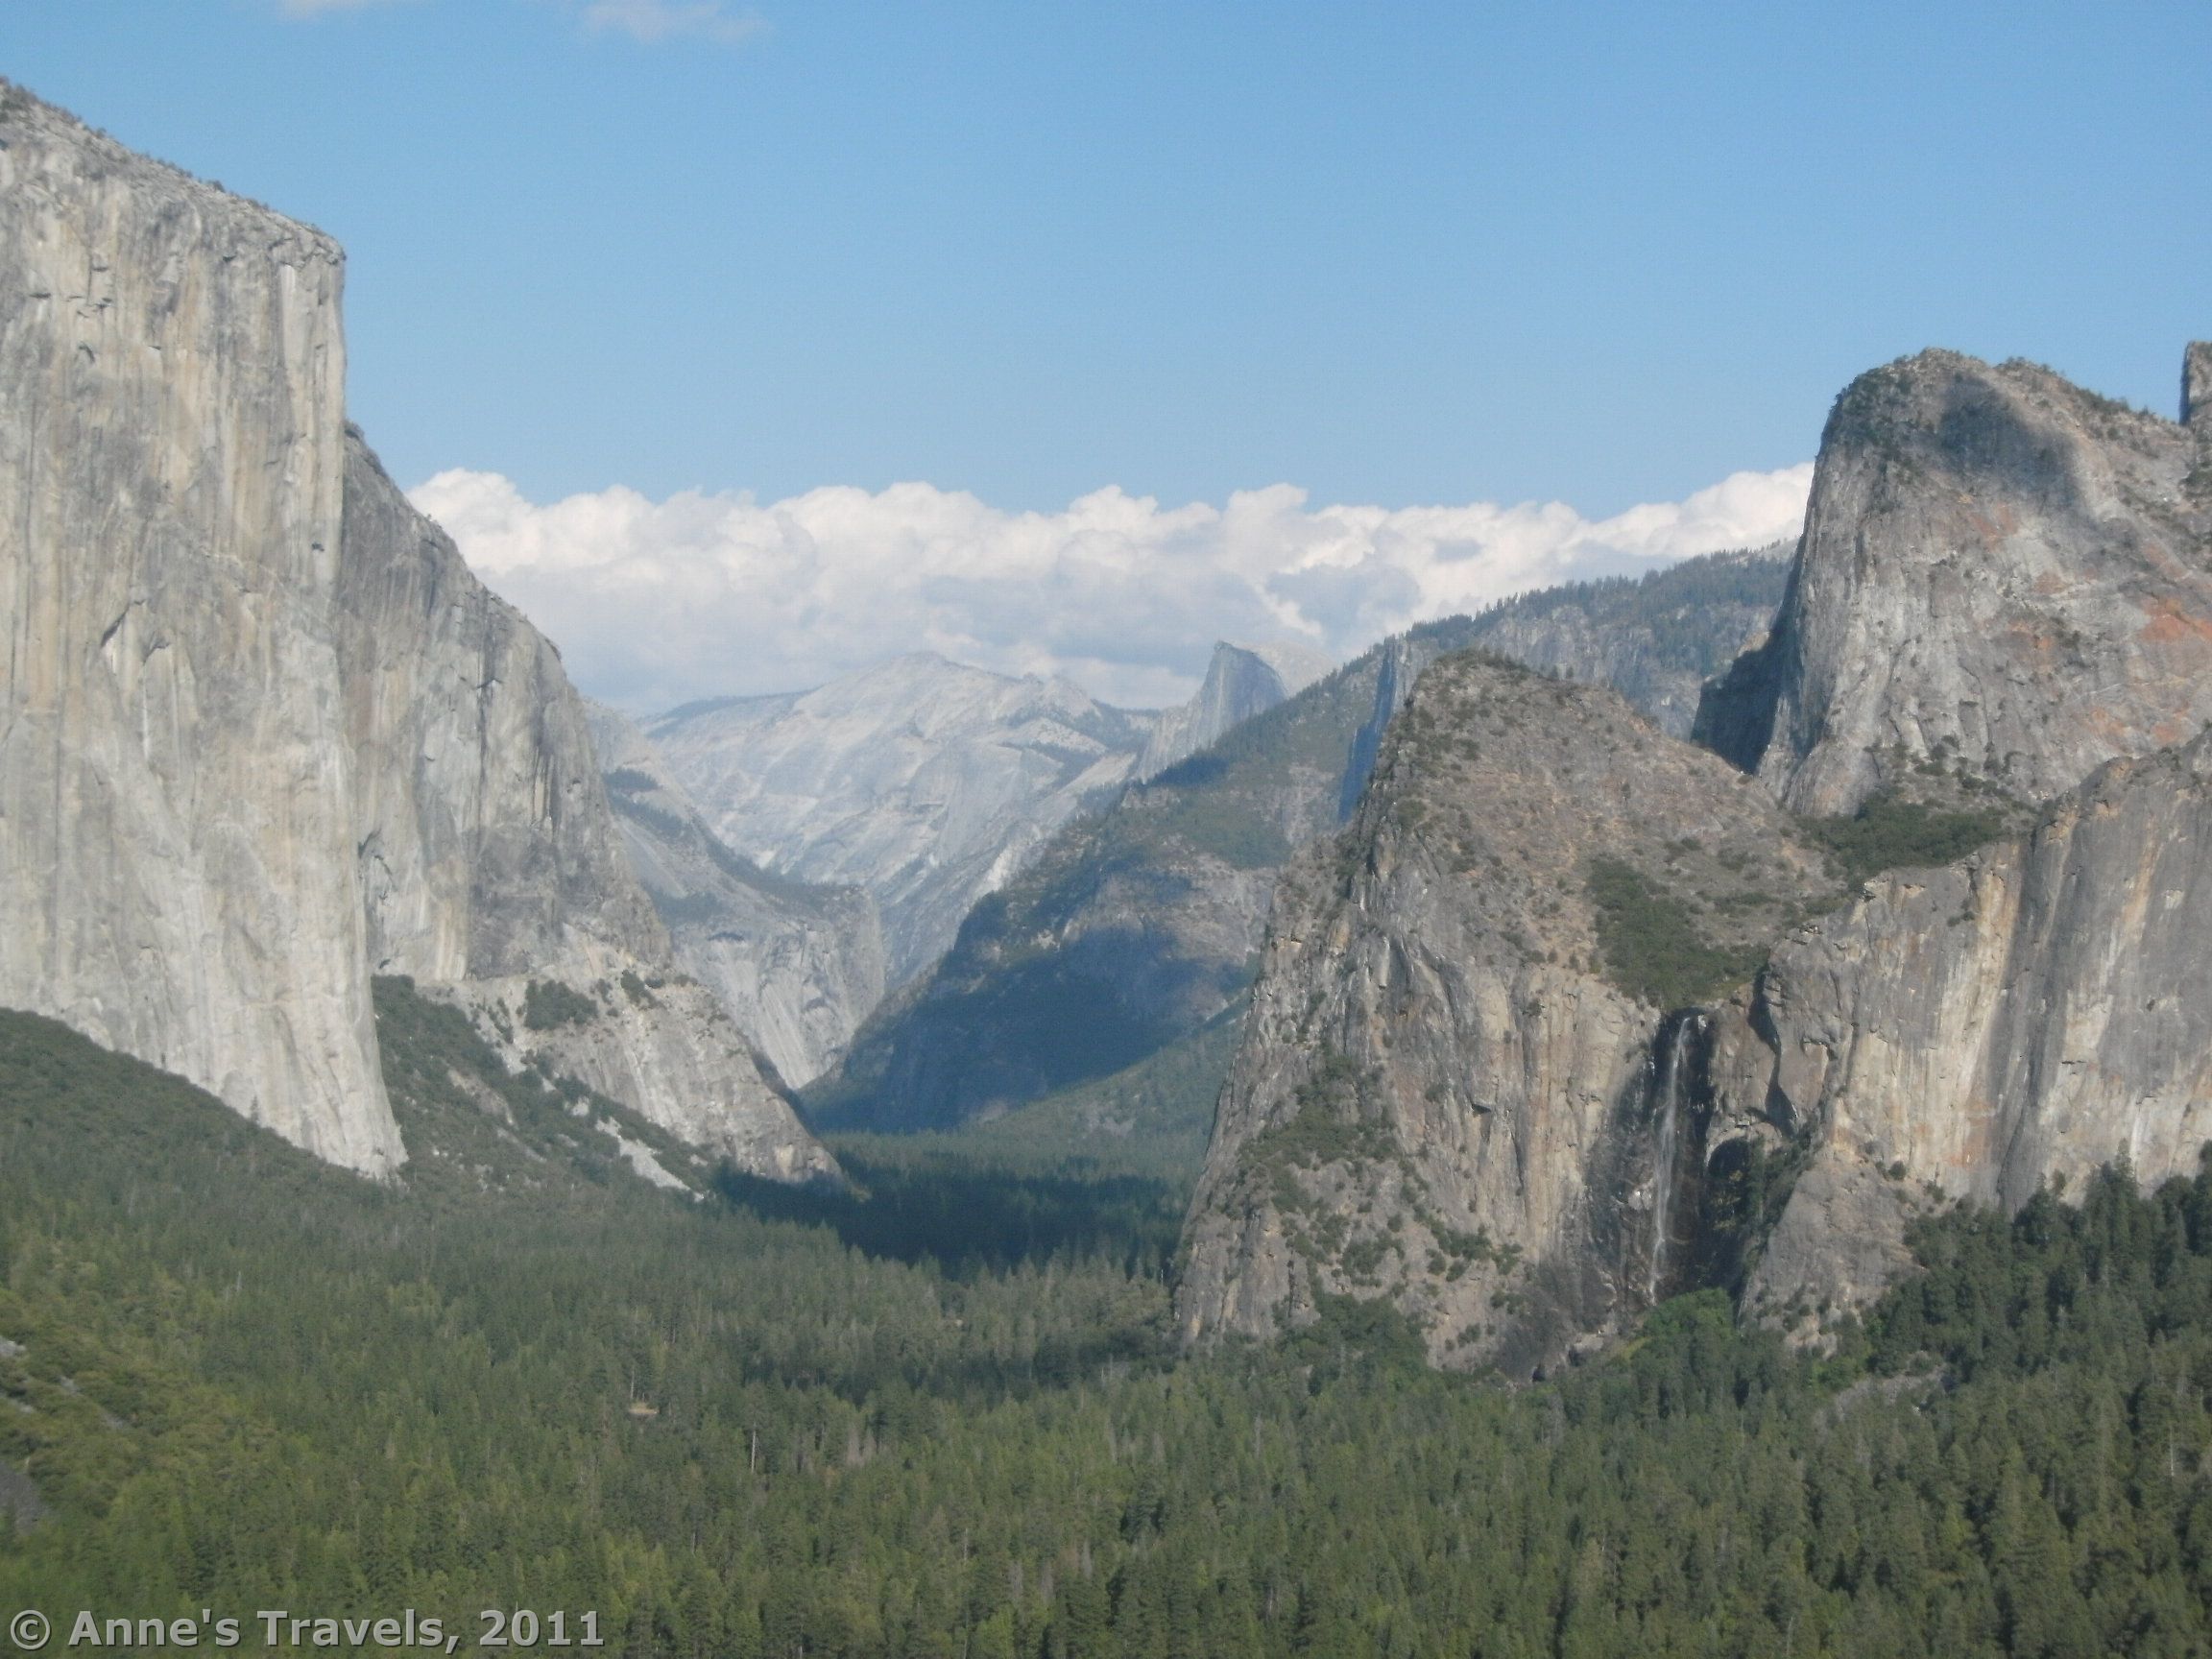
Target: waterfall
1670, 1085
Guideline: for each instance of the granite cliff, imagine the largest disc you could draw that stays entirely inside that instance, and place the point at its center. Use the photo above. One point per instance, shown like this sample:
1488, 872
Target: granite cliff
265, 735
2001, 598
175, 823
2000, 580
797, 966
1458, 1087
1976, 1030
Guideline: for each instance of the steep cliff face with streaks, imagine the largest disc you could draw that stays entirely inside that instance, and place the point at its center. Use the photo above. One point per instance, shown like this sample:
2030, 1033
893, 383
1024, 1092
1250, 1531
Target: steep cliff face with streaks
1457, 1084
1973, 1031
264, 733
176, 848
491, 860
2002, 582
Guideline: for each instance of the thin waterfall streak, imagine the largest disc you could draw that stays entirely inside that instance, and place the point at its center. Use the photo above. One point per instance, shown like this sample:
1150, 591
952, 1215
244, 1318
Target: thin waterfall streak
1671, 1084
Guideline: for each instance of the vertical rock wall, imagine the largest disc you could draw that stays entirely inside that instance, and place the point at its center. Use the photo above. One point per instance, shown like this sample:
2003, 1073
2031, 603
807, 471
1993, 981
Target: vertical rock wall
2001, 578
263, 733
175, 832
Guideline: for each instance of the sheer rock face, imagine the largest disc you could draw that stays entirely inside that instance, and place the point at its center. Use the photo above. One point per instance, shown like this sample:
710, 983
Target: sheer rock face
2002, 576
490, 857
924, 782
2003, 579
265, 735
796, 967
486, 843
1241, 681
175, 783
1970, 1032
1441, 1098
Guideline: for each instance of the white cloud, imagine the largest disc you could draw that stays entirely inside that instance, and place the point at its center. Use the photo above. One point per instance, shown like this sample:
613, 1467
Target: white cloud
658, 602
653, 21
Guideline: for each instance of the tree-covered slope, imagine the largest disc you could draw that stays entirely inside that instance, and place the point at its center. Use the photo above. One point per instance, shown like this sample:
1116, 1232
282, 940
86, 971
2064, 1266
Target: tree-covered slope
735, 1438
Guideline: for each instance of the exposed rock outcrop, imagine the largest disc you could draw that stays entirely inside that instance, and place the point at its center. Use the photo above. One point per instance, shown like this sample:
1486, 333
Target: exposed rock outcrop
926, 783
2003, 583
1134, 926
1455, 1087
2002, 579
264, 733
1241, 681
1971, 1032
489, 859
176, 829
796, 967
1656, 640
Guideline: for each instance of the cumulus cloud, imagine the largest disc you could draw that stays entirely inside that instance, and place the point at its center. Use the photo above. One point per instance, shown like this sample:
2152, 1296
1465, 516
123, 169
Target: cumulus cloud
655, 603
653, 21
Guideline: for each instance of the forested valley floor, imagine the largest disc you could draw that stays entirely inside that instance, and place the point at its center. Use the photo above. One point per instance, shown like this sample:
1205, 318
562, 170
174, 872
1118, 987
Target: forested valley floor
944, 1414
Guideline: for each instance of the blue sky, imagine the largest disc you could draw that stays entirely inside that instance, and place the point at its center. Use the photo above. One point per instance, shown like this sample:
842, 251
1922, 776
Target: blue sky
1391, 254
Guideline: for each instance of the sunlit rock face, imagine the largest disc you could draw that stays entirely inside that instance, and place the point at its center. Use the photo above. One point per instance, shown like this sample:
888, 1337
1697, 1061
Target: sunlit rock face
2003, 578
2003, 603
1974, 1031
265, 735
1445, 1097
174, 782
926, 783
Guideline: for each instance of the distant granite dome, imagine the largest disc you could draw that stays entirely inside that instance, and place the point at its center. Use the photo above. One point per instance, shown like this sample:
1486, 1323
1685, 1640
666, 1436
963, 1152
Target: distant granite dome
924, 782
797, 966
1241, 681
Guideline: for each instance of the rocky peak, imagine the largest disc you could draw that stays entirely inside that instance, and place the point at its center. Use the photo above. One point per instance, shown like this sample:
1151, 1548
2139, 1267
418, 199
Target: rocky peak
1980, 542
2197, 385
926, 781
1454, 1091
1241, 681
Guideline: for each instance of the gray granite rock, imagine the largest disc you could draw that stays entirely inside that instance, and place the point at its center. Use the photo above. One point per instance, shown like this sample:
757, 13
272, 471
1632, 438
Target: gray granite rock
1445, 1097
264, 735
797, 966
1240, 680
927, 783
2001, 578
1973, 1031
176, 831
